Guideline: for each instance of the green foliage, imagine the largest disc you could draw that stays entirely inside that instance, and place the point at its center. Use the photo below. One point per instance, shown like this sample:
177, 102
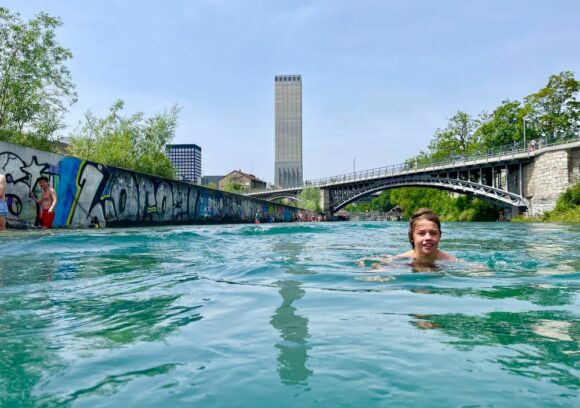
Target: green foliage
35, 84
503, 126
569, 200
458, 138
554, 109
309, 199
568, 216
552, 112
33, 140
567, 207
449, 207
131, 142
233, 187
381, 203
412, 198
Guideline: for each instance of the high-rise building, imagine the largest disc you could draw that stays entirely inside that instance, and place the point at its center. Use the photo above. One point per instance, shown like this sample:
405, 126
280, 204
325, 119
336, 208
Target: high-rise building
187, 159
288, 111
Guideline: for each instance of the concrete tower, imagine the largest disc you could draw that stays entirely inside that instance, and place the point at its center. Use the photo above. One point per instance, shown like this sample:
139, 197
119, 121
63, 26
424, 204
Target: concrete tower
288, 161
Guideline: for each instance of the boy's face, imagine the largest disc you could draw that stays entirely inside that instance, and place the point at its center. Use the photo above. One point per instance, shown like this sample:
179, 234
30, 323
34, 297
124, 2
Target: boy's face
426, 236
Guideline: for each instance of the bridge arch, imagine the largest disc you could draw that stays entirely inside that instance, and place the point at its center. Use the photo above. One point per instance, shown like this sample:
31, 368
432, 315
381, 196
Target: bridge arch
287, 196
340, 199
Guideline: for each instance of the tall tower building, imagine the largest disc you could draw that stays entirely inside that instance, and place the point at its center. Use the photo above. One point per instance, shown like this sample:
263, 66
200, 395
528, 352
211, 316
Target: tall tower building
187, 159
288, 160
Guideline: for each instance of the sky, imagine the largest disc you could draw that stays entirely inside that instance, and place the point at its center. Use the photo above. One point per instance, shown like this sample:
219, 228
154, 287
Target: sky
378, 77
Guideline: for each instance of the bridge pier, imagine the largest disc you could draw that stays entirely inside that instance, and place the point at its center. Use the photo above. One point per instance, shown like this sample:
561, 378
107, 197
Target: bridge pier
551, 173
325, 201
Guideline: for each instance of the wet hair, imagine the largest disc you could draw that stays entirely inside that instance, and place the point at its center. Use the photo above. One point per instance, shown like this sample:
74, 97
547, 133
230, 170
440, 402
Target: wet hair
422, 214
42, 178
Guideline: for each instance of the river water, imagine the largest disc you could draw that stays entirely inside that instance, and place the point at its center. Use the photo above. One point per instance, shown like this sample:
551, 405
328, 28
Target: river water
281, 315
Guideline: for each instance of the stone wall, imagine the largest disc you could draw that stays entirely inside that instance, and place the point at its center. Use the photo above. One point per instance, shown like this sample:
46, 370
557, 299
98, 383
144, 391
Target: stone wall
575, 166
118, 197
548, 176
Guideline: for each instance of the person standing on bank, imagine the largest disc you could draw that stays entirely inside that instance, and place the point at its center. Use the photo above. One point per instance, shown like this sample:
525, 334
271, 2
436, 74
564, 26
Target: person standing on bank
3, 205
424, 236
47, 203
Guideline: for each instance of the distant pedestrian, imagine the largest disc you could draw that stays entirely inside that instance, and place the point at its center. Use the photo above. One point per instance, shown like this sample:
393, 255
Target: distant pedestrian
47, 203
3, 205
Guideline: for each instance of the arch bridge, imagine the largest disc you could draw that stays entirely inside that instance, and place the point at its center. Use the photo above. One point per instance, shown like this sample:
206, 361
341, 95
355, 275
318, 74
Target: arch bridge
498, 177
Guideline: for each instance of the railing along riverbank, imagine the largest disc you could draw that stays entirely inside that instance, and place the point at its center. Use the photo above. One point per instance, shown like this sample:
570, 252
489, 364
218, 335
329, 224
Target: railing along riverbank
515, 150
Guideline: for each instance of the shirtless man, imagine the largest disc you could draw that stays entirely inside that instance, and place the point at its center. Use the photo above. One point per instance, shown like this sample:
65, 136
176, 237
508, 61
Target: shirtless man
47, 203
3, 205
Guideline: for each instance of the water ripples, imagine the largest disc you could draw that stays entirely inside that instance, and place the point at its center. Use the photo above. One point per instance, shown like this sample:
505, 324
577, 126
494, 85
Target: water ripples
174, 315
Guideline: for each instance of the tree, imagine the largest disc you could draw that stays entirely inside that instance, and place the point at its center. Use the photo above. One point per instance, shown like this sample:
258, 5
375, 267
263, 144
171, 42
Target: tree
35, 84
554, 109
505, 125
135, 142
381, 203
458, 138
449, 207
309, 198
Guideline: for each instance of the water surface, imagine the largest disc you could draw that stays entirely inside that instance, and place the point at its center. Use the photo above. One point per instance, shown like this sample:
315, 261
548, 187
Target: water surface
281, 315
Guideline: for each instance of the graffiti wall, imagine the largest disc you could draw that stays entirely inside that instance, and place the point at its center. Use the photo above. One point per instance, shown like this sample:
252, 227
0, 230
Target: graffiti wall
92, 194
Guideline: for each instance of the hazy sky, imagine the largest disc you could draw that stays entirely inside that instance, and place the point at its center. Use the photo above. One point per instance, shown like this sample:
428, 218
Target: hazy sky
379, 77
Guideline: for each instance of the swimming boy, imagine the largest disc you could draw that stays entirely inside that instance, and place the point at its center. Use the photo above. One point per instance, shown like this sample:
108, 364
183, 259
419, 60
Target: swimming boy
3, 205
47, 202
424, 236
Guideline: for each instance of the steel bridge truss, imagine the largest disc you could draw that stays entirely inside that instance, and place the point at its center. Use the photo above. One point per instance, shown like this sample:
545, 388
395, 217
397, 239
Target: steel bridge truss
341, 196
503, 167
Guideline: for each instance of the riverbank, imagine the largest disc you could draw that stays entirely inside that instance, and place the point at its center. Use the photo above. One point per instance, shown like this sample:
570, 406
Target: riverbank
567, 209
568, 217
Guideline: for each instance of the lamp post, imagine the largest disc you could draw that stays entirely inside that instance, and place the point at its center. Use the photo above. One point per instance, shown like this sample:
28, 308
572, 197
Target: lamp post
525, 131
354, 164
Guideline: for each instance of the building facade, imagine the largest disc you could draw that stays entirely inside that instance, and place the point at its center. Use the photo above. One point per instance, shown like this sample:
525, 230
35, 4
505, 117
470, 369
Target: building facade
288, 118
187, 159
245, 181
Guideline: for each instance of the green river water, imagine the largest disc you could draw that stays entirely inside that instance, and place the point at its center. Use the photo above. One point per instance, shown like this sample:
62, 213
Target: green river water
281, 315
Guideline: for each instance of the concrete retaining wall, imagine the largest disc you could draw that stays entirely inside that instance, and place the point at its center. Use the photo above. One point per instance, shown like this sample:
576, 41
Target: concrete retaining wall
548, 176
118, 197
575, 166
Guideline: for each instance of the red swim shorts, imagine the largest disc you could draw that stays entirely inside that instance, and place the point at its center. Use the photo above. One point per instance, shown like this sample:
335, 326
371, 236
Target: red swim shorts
46, 219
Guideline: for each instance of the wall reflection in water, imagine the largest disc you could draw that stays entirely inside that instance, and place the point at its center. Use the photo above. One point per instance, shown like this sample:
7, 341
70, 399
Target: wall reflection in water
293, 328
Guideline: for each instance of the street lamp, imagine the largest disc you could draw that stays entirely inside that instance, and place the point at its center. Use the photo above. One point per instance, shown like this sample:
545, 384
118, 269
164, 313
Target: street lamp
525, 131
354, 164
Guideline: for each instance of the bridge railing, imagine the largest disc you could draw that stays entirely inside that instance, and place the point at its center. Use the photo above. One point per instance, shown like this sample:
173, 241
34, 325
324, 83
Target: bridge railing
417, 166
